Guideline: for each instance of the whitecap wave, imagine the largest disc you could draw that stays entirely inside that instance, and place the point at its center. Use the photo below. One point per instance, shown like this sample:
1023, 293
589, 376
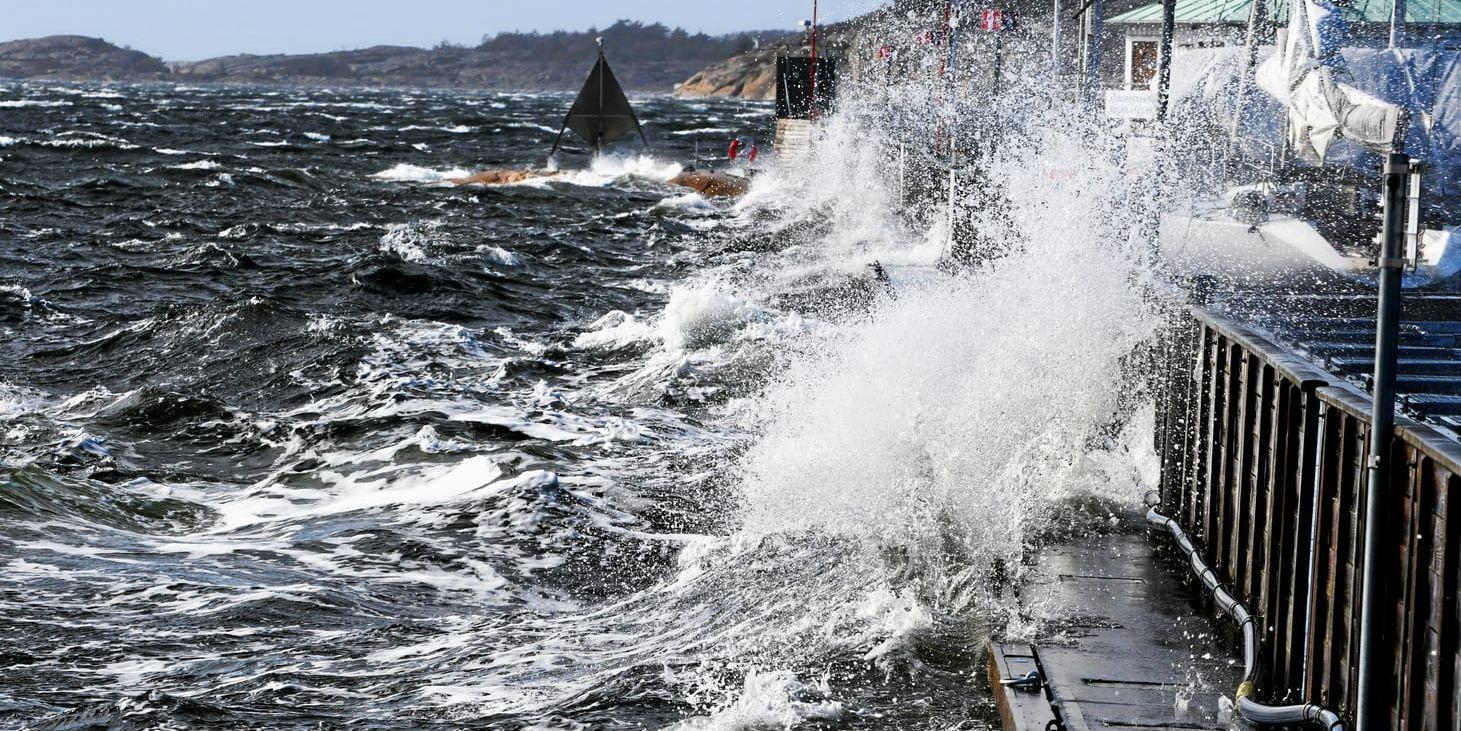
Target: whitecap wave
407, 173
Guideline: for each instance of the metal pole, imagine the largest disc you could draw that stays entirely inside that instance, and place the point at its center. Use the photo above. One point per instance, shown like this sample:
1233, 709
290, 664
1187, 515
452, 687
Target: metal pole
1164, 86
1397, 22
953, 180
599, 135
955, 21
998, 58
1055, 38
1095, 24
902, 172
1164, 60
812, 111
1369, 713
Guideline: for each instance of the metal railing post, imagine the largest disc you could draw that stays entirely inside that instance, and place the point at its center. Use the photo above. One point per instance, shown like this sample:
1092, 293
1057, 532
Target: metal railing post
1369, 715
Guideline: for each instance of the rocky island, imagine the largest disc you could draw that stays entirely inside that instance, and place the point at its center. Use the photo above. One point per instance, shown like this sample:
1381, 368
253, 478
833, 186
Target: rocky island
648, 59
73, 58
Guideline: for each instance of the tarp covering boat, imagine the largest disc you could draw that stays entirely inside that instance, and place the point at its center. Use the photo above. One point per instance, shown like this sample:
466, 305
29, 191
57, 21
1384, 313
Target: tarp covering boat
1426, 82
1303, 75
601, 114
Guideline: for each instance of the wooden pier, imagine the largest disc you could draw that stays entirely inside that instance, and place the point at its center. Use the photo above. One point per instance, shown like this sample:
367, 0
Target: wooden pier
1130, 648
1262, 428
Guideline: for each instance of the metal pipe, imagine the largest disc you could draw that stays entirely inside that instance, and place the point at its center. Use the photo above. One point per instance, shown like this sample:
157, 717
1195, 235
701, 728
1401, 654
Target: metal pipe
1252, 711
1368, 713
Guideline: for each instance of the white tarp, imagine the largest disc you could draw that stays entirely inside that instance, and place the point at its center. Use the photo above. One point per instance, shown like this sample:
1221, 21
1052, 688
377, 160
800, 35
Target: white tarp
1302, 75
1424, 81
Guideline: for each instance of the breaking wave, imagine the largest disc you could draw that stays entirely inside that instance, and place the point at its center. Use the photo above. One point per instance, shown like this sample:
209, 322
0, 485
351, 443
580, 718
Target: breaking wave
581, 451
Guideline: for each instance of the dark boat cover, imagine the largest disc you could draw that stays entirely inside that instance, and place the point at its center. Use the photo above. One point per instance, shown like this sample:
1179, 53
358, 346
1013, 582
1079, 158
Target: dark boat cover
601, 114
794, 87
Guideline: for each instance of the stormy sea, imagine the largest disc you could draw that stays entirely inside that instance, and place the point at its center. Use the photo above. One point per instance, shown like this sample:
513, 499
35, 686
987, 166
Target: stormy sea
296, 434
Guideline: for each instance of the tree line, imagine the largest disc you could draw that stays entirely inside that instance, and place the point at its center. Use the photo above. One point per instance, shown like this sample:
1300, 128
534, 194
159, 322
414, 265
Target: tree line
627, 40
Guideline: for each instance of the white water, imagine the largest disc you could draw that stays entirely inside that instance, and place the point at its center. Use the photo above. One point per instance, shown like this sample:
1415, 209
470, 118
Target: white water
897, 461
881, 467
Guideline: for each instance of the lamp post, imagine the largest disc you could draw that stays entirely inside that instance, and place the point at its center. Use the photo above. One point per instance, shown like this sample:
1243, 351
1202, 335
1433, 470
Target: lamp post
1369, 713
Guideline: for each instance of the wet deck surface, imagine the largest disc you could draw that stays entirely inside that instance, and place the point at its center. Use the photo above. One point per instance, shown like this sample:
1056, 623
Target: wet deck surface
1125, 645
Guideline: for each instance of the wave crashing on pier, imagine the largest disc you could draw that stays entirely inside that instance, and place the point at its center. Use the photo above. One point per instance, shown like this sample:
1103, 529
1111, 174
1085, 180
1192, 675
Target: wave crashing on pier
349, 443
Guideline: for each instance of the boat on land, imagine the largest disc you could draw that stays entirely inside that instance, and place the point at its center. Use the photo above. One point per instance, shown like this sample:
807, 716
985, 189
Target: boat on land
1301, 185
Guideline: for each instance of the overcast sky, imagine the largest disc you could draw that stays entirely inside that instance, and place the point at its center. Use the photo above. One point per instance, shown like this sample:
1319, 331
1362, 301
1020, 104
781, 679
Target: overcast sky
185, 30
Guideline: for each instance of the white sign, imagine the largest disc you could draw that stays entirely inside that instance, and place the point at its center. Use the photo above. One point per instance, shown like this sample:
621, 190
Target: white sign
1137, 104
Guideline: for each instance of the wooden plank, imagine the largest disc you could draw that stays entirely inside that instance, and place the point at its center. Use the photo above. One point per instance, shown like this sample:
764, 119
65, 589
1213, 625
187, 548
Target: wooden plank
1133, 638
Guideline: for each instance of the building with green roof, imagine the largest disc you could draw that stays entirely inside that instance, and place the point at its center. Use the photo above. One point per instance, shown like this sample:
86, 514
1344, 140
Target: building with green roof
1132, 37
1204, 12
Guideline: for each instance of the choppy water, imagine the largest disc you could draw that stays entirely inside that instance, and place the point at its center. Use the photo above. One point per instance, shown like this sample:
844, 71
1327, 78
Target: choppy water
295, 436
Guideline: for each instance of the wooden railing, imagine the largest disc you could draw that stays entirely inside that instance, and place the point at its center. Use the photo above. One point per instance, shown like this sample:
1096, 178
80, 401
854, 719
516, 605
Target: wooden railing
1263, 462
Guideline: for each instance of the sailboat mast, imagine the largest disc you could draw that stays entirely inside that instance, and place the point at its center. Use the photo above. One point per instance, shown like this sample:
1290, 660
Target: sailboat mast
1397, 22
599, 134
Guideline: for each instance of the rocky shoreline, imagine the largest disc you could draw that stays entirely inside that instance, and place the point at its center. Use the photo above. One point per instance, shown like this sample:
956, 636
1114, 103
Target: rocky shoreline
77, 58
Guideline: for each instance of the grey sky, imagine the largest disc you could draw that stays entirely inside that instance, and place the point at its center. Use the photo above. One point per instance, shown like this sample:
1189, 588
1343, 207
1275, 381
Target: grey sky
182, 30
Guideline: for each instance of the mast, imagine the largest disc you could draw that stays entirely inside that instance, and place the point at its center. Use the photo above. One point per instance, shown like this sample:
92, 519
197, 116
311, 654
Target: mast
1397, 22
599, 137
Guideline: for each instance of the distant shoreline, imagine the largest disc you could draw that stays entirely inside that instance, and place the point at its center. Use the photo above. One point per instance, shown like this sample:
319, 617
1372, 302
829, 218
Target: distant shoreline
649, 59
193, 83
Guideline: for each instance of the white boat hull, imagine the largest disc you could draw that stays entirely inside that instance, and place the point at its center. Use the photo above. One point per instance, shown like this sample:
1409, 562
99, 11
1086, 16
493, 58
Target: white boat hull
1283, 247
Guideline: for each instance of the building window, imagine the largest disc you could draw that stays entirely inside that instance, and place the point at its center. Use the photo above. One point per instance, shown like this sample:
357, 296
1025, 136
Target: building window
1141, 62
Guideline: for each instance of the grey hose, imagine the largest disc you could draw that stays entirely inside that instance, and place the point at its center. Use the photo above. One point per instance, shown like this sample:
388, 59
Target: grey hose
1252, 711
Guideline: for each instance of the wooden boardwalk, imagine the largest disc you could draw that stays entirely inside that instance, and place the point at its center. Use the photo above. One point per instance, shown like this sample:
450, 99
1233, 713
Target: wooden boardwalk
1124, 647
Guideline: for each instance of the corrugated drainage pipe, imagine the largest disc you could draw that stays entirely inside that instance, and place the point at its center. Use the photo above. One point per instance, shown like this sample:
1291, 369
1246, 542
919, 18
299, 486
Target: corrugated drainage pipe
1252, 711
